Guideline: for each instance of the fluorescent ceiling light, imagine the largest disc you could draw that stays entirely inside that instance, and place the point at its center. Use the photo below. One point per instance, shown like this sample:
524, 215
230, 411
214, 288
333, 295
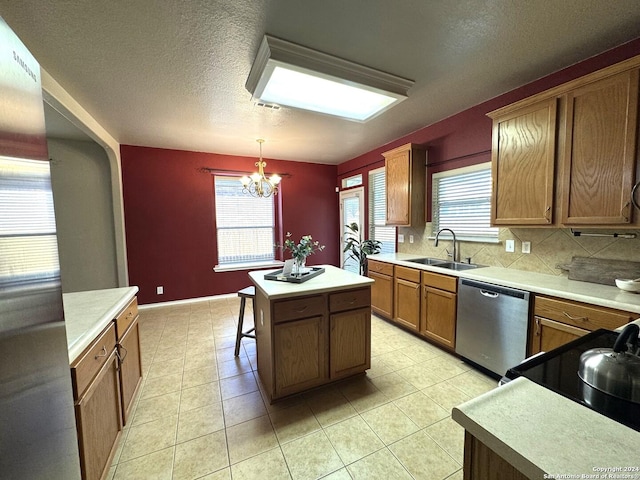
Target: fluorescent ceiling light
287, 74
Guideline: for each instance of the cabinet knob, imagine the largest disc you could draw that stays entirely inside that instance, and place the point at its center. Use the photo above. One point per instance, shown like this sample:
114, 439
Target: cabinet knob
547, 214
103, 354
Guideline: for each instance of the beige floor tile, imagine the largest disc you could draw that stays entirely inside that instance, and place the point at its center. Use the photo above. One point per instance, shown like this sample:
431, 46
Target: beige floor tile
243, 408
311, 457
149, 409
389, 423
341, 474
200, 360
237, 366
228, 341
397, 360
294, 422
238, 385
200, 396
227, 353
353, 439
420, 376
473, 383
450, 436
150, 437
154, 387
378, 367
393, 385
422, 352
250, 438
200, 456
199, 376
200, 421
266, 466
167, 353
160, 368
156, 466
446, 366
459, 475
423, 458
421, 409
446, 395
381, 465
330, 406
223, 474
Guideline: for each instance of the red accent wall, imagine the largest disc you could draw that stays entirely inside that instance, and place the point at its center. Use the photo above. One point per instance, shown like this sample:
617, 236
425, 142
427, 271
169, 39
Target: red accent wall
170, 218
465, 138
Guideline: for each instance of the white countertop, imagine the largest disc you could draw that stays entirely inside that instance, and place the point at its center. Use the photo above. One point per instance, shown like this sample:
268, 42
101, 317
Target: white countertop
333, 278
86, 314
540, 432
557, 286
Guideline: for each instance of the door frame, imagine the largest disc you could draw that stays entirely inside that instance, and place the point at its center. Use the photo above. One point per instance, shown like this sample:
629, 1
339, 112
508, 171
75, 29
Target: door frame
357, 192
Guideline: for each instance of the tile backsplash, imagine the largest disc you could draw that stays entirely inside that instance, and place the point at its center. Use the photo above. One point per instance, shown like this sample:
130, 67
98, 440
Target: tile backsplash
549, 247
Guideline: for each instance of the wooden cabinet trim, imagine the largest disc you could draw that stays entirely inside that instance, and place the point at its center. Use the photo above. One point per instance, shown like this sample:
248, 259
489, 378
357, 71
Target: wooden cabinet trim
299, 307
126, 317
442, 282
406, 273
349, 300
585, 316
85, 368
380, 267
349, 354
130, 372
382, 294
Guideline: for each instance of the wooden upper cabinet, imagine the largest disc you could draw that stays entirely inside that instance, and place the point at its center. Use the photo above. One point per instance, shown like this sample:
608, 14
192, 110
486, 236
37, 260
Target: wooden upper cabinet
522, 160
405, 172
599, 152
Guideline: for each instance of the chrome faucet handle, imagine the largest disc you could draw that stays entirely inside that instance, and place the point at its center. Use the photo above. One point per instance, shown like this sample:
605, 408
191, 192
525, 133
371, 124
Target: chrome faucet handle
468, 260
449, 254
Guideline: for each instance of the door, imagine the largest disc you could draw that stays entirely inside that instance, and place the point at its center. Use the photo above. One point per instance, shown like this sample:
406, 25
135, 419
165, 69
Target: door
351, 211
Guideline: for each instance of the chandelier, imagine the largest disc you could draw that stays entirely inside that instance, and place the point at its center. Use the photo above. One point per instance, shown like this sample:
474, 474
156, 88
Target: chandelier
257, 184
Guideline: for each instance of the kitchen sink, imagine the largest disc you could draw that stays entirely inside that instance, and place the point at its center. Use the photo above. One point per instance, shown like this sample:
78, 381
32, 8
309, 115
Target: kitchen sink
429, 261
458, 265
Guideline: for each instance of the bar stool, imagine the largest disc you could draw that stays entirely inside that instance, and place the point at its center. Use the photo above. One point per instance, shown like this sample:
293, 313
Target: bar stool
249, 292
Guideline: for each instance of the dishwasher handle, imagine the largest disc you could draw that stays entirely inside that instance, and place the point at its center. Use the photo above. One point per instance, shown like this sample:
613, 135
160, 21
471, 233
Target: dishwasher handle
489, 294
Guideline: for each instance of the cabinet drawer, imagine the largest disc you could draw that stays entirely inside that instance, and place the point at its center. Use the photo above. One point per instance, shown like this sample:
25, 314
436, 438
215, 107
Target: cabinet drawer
339, 302
302, 307
443, 282
588, 317
88, 364
411, 274
380, 267
126, 317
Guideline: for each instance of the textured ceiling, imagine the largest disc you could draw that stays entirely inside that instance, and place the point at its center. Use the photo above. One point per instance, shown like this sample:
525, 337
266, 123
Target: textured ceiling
171, 74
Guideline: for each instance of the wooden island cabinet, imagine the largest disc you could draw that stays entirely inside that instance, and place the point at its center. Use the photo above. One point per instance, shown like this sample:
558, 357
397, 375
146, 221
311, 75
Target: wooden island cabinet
312, 333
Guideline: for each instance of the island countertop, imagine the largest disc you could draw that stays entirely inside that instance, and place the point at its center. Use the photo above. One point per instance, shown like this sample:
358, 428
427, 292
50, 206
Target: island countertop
333, 278
86, 314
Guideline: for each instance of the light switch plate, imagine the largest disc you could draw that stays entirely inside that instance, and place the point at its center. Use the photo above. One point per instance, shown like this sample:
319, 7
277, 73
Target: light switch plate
526, 247
410, 238
510, 245
400, 238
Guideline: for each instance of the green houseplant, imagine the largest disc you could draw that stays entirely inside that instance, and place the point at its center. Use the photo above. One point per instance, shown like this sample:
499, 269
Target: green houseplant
301, 250
359, 249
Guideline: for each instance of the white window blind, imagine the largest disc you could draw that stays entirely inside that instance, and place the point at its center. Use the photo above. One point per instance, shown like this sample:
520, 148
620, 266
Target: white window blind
378, 212
244, 224
28, 244
462, 202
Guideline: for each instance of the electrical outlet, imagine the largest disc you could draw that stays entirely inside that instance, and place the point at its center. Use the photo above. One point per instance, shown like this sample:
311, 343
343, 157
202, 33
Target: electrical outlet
159, 290
400, 238
510, 246
526, 247
410, 238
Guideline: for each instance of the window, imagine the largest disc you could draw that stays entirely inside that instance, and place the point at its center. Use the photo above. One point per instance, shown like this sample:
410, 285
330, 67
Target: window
245, 225
462, 202
353, 181
378, 212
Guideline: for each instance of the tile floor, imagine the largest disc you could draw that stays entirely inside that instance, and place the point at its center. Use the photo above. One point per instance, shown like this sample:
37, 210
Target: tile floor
200, 413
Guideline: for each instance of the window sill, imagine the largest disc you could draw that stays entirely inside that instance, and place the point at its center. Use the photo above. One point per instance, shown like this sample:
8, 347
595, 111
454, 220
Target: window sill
247, 266
462, 238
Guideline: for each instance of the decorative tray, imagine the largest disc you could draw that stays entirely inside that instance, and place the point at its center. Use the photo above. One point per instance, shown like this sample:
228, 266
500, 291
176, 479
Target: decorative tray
310, 273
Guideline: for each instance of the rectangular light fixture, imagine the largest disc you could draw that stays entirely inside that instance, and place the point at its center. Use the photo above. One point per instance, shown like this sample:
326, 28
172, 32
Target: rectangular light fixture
291, 75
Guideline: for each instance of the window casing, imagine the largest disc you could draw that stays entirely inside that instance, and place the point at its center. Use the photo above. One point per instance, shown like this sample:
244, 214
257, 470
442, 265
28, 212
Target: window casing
245, 225
462, 202
378, 212
353, 181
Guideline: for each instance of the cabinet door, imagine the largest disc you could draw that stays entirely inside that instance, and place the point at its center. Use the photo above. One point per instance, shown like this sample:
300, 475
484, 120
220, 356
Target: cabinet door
300, 355
600, 150
99, 421
398, 178
350, 343
382, 294
439, 316
130, 368
407, 303
549, 334
523, 165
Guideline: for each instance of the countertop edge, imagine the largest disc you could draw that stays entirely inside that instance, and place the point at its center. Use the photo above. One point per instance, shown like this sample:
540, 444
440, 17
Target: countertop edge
540, 283
82, 330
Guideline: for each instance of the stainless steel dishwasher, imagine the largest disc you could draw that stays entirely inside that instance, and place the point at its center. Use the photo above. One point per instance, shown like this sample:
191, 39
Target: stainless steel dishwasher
492, 322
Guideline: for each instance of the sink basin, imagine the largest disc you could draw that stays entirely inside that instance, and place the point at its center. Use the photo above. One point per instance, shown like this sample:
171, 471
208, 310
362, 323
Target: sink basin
458, 265
428, 261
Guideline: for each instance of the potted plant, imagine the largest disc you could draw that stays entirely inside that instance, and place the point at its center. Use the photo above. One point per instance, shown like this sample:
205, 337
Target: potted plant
359, 249
300, 251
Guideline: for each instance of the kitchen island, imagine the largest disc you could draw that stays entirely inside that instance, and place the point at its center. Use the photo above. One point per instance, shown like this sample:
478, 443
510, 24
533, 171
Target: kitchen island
312, 333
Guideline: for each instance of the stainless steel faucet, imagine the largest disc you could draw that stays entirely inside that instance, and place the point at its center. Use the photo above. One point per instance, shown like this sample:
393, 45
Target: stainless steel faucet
455, 257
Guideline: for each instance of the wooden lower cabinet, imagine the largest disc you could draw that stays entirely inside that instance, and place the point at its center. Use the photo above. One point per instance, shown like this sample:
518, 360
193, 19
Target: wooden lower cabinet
407, 297
350, 343
482, 463
99, 421
300, 352
549, 334
130, 374
439, 316
382, 294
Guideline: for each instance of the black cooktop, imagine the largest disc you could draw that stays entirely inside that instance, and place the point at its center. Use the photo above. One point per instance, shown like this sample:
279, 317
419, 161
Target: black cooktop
557, 370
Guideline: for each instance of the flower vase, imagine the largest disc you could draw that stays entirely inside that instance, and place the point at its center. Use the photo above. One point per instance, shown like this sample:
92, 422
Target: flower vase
298, 267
